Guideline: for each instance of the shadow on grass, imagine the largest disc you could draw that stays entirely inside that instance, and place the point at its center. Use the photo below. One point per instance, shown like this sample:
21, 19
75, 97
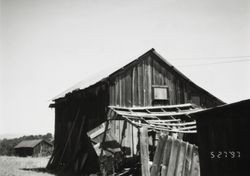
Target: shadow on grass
44, 170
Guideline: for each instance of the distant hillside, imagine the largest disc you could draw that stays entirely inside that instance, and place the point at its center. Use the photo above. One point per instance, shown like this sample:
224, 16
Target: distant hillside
7, 145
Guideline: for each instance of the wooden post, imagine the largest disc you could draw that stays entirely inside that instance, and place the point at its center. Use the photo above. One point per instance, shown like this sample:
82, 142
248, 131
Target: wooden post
144, 152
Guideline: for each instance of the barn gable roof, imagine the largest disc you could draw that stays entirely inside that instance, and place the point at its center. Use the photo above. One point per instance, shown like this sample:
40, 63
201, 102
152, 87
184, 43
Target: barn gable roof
30, 143
100, 77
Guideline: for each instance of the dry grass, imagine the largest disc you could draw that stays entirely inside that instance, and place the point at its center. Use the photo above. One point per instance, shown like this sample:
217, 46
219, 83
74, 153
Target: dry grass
18, 166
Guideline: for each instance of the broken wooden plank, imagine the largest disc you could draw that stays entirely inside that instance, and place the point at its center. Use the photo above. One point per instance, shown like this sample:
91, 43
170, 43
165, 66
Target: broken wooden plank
166, 155
181, 159
158, 155
188, 160
195, 167
173, 157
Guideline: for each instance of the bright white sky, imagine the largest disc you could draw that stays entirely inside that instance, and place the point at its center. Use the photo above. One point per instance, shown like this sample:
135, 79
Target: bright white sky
47, 46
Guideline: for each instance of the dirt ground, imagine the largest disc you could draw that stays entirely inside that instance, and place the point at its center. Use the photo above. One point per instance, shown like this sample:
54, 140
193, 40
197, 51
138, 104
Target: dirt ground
27, 166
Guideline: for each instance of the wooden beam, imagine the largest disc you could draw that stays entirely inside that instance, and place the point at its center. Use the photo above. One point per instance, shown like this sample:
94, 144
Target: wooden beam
188, 128
173, 124
164, 121
162, 128
155, 114
156, 107
144, 152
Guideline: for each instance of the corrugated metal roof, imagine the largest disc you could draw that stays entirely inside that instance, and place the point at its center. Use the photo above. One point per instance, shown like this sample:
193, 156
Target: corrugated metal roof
29, 143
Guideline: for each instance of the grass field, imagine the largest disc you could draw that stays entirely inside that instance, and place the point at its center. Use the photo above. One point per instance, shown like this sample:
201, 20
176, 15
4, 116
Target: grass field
19, 166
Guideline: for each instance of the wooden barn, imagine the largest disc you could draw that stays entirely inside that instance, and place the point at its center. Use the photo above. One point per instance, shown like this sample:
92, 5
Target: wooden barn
223, 133
35, 148
147, 92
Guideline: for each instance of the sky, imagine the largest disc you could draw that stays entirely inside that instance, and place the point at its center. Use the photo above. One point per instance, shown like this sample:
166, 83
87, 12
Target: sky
47, 46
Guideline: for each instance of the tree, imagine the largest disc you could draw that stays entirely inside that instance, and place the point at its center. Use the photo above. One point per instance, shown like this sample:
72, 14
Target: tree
48, 137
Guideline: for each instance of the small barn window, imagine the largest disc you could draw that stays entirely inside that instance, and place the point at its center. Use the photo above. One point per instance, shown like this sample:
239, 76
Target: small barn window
160, 95
160, 92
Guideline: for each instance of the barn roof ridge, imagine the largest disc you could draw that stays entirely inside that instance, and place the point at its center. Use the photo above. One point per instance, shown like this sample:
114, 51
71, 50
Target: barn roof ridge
86, 83
30, 143
81, 86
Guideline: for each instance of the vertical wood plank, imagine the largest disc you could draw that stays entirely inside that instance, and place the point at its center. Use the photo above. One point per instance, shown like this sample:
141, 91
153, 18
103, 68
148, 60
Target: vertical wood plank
125, 94
123, 91
166, 155
140, 86
161, 70
121, 141
153, 72
132, 141
116, 92
173, 157
135, 139
128, 88
120, 91
181, 159
195, 168
149, 75
110, 95
113, 95
135, 86
158, 155
117, 130
185, 93
144, 78
128, 138
144, 151
188, 160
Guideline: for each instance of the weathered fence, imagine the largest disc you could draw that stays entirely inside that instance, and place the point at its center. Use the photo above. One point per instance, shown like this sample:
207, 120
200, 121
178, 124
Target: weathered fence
174, 157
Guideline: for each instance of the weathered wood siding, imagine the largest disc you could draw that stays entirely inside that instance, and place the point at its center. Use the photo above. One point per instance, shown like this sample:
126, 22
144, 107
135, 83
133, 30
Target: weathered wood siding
175, 158
83, 110
121, 128
42, 149
75, 115
133, 85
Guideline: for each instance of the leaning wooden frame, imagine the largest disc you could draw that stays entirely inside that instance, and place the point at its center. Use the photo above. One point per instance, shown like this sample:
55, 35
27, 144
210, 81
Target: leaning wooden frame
149, 124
